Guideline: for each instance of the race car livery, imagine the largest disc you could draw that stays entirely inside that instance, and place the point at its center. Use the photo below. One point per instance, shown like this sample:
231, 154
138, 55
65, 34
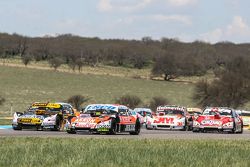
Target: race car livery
105, 118
42, 115
146, 113
56, 115
169, 117
219, 119
27, 120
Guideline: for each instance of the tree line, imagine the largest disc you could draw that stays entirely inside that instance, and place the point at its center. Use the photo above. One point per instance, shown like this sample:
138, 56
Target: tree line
168, 58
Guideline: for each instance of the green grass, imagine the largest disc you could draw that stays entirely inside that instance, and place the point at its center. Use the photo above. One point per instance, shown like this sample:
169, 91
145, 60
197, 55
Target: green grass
22, 86
122, 152
5, 122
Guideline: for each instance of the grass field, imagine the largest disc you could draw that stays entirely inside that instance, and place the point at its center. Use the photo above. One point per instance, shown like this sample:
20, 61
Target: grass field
22, 86
123, 152
5, 121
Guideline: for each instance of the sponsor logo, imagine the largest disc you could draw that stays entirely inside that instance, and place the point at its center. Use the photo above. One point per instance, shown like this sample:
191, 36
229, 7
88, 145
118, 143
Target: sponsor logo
164, 120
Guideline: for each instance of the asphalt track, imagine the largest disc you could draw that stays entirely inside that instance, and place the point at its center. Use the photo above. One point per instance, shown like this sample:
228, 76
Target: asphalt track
145, 134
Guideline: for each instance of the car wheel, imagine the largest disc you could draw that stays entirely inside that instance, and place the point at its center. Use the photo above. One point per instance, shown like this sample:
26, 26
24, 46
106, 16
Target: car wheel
241, 129
39, 128
113, 128
185, 127
137, 128
195, 130
234, 129
57, 127
18, 127
71, 131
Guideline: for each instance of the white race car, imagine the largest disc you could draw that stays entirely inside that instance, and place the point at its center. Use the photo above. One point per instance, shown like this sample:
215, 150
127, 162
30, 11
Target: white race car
169, 117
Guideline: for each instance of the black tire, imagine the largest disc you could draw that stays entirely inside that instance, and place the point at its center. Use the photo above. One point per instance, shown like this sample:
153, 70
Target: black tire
195, 130
234, 129
113, 128
241, 129
137, 128
57, 127
71, 131
185, 128
17, 128
39, 128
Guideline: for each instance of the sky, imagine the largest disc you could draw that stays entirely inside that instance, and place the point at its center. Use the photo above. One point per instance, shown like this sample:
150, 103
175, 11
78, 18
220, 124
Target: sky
187, 20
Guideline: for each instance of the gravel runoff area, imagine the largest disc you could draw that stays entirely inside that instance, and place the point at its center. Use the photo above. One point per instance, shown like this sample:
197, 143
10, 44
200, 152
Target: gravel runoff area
145, 134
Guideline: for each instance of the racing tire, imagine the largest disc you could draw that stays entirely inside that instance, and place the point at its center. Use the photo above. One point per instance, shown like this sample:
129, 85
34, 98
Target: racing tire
234, 129
185, 128
57, 127
71, 131
17, 128
39, 128
113, 128
195, 130
137, 128
241, 129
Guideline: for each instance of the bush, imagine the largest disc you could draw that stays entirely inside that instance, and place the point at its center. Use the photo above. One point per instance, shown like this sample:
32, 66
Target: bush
230, 90
157, 101
2, 100
77, 100
129, 100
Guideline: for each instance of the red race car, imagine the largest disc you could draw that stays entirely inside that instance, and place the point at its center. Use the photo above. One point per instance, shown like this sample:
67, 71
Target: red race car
105, 118
219, 119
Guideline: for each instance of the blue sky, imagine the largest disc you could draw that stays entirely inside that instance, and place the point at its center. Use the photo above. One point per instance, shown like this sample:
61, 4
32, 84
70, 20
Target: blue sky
187, 20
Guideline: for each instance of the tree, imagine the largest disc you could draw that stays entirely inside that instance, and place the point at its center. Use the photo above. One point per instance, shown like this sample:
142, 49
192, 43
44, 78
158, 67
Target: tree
165, 64
157, 101
231, 89
129, 100
55, 62
77, 101
26, 59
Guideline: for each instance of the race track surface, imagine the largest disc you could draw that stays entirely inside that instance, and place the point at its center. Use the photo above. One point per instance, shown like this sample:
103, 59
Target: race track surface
145, 134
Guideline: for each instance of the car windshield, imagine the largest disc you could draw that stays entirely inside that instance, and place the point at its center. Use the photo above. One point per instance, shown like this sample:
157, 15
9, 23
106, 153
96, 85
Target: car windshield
226, 112
145, 113
123, 112
172, 112
99, 112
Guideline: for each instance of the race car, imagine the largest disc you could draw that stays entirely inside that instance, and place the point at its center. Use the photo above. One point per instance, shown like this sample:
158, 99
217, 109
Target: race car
169, 117
105, 119
245, 115
56, 115
27, 120
146, 113
219, 119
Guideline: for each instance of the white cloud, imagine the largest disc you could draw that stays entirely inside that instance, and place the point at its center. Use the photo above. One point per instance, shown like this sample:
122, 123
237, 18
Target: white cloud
237, 30
105, 5
212, 36
238, 27
183, 19
127, 6
172, 18
181, 2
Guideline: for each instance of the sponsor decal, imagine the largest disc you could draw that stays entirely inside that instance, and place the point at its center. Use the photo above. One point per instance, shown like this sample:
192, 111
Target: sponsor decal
162, 108
87, 120
107, 107
164, 120
130, 128
211, 122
